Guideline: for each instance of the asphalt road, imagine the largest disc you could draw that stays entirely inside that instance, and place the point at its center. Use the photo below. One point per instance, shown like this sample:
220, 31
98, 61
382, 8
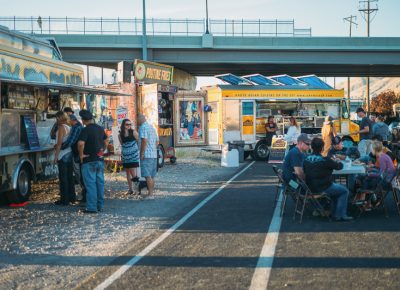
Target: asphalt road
219, 246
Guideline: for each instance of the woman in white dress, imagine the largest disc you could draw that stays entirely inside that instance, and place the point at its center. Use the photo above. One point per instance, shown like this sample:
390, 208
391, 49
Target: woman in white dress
63, 159
293, 132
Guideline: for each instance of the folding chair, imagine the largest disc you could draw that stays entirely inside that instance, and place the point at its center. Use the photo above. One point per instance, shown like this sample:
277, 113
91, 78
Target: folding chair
304, 197
369, 200
286, 188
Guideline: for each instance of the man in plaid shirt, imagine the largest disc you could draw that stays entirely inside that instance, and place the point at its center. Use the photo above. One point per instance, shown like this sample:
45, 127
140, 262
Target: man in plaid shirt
148, 152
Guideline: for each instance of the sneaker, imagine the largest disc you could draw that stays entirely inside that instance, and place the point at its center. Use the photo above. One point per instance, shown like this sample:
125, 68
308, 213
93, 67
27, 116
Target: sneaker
344, 219
130, 191
84, 210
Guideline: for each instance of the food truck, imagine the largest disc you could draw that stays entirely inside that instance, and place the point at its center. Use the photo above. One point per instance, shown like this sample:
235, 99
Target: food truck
34, 84
241, 106
155, 100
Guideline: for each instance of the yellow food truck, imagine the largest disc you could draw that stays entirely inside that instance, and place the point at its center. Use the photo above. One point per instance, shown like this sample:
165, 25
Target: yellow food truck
241, 107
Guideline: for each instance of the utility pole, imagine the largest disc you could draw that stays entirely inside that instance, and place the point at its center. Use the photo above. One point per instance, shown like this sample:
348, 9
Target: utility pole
352, 20
144, 33
368, 13
207, 31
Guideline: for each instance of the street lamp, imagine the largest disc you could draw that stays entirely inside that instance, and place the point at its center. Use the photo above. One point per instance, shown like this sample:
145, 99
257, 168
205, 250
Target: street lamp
144, 36
207, 32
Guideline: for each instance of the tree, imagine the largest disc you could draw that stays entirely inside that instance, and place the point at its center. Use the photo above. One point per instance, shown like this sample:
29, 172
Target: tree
383, 103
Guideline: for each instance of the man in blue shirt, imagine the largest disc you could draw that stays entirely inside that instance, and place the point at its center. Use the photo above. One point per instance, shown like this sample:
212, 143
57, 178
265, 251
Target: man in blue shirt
293, 163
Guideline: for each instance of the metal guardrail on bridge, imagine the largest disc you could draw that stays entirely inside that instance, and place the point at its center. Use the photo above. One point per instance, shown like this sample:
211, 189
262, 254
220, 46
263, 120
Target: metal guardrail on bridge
154, 26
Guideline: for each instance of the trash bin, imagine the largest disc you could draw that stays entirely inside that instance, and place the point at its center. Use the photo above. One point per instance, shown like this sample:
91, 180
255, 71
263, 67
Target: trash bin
229, 158
239, 145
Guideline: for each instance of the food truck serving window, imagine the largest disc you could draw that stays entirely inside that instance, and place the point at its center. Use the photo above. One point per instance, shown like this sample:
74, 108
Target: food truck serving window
9, 135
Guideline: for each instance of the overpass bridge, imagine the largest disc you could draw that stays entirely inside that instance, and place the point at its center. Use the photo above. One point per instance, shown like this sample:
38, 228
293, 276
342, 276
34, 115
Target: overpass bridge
245, 47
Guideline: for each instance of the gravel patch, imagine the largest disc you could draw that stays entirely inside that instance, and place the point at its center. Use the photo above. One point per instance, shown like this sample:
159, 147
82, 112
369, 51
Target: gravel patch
44, 246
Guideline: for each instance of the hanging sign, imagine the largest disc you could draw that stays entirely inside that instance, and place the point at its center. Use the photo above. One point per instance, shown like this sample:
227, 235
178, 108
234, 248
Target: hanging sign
151, 72
122, 113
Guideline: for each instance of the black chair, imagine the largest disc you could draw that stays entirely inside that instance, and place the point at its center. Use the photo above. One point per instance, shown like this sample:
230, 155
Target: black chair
305, 197
285, 188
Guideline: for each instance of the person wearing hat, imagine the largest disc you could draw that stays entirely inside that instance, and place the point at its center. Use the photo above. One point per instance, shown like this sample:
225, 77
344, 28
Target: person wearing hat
293, 162
318, 171
328, 133
365, 132
92, 143
72, 142
337, 150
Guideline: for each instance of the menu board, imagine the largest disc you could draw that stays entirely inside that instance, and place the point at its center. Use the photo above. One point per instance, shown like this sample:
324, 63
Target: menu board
31, 133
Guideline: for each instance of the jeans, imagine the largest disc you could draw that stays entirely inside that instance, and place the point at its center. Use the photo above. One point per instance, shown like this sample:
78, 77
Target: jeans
66, 179
339, 194
93, 177
364, 147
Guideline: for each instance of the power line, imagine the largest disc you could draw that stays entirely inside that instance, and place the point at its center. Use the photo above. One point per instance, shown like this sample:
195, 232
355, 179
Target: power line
352, 21
368, 12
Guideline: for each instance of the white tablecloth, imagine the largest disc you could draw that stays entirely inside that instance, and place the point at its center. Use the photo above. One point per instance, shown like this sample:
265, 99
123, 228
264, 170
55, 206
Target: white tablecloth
353, 169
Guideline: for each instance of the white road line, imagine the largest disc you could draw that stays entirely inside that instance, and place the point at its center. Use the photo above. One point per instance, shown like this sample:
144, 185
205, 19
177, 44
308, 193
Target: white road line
156, 242
264, 264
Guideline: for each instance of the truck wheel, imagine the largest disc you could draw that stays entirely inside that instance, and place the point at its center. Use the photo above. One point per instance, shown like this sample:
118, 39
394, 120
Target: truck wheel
261, 151
23, 191
246, 154
161, 156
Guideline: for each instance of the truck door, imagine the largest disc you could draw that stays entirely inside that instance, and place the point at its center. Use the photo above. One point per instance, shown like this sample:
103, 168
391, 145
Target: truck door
248, 121
231, 121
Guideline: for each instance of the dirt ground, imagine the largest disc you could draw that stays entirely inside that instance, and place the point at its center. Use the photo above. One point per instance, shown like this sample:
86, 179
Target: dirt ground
44, 246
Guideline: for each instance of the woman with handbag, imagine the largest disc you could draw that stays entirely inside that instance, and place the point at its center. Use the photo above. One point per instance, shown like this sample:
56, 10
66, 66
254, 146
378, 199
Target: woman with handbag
328, 133
128, 137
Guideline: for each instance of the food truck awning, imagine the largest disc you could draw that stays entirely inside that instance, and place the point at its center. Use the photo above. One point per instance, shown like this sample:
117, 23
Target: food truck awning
66, 88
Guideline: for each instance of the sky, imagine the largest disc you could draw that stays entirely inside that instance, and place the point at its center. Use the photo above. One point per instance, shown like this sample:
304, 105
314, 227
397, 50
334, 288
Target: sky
325, 17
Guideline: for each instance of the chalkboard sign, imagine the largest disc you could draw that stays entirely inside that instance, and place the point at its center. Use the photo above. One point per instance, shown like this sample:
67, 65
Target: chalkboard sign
31, 133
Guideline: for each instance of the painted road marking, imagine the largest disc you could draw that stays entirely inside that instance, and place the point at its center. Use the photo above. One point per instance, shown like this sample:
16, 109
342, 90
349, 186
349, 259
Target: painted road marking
264, 264
156, 242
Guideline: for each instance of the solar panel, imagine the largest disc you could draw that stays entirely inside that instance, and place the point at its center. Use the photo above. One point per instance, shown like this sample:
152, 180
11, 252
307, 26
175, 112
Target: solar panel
233, 79
261, 80
288, 80
315, 81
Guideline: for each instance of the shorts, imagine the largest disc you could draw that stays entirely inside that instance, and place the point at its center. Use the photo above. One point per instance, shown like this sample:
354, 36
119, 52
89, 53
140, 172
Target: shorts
130, 165
148, 167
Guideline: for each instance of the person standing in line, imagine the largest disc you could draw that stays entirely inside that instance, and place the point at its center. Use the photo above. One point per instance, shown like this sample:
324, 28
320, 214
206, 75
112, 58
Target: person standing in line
53, 131
92, 143
63, 159
293, 133
270, 129
365, 133
148, 153
72, 142
128, 137
328, 132
373, 119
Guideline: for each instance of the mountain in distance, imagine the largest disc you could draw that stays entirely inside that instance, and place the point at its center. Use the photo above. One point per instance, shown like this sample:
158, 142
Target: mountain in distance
377, 85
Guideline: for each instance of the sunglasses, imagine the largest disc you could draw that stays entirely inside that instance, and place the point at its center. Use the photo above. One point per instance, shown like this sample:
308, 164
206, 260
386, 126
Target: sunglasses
128, 124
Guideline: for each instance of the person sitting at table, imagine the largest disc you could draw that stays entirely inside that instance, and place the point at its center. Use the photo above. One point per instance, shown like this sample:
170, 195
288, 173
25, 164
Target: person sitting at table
293, 162
337, 150
395, 137
318, 171
385, 170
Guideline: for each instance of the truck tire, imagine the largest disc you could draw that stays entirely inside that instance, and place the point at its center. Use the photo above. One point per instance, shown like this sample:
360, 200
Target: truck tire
246, 154
161, 156
24, 185
261, 151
